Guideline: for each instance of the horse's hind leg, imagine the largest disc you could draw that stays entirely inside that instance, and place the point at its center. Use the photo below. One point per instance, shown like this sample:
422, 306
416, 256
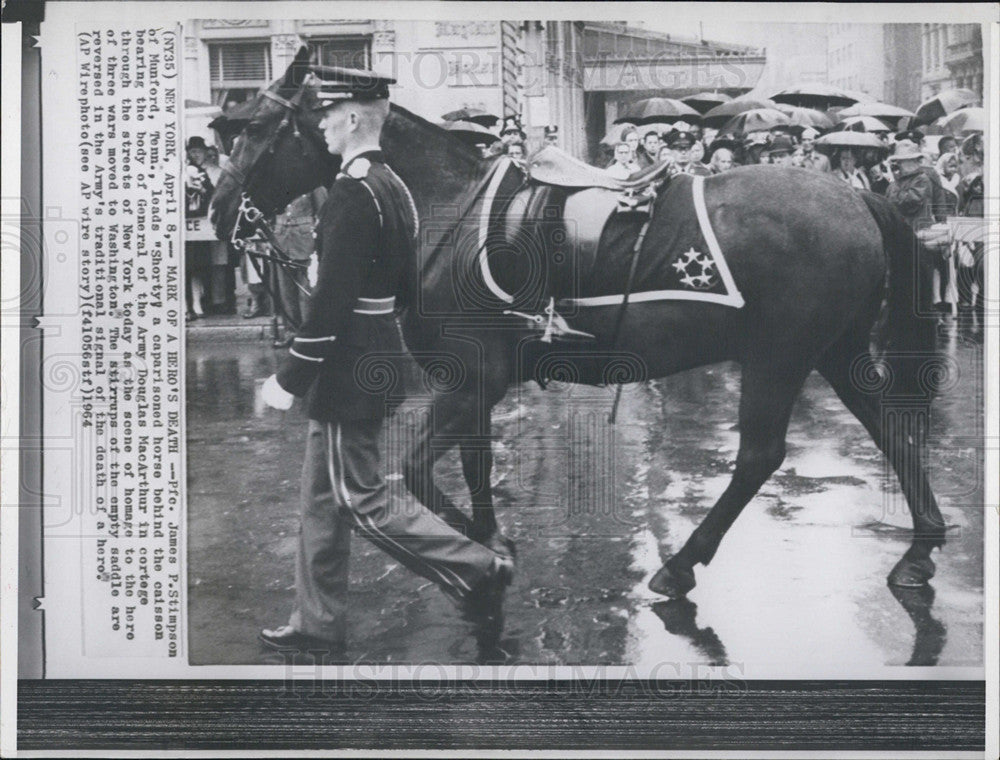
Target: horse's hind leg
894, 430
768, 393
436, 434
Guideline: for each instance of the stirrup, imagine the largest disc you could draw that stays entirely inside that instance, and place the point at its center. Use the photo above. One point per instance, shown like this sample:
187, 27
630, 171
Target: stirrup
555, 325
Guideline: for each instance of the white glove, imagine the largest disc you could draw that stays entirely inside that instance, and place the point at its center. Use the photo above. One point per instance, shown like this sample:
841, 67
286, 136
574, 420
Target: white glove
275, 396
313, 272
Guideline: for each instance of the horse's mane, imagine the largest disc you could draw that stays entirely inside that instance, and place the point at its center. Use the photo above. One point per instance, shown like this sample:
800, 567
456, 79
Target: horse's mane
430, 131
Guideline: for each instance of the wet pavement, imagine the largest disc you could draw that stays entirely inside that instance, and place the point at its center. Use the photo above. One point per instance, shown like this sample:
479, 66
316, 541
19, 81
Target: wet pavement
798, 585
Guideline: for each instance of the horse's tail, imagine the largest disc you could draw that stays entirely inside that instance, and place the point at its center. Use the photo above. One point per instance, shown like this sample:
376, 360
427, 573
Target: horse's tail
909, 341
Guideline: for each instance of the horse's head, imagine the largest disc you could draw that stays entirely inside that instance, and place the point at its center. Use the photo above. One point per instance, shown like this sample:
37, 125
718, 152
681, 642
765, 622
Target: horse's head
278, 156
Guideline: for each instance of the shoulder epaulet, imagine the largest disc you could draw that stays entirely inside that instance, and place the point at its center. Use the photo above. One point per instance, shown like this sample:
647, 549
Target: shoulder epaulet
358, 168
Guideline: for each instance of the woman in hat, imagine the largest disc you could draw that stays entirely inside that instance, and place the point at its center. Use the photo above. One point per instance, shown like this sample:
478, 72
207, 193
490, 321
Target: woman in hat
847, 169
779, 151
721, 161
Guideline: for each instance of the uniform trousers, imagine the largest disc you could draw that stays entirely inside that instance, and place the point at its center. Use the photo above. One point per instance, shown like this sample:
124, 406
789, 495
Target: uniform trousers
344, 489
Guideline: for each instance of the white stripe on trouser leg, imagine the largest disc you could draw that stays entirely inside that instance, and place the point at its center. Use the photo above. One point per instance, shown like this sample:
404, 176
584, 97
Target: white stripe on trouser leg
366, 522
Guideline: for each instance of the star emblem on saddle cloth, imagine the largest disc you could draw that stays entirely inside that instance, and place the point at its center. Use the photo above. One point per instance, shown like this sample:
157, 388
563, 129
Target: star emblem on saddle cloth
696, 269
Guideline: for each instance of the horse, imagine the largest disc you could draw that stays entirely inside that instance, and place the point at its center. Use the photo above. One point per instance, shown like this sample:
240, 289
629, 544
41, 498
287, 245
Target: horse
818, 264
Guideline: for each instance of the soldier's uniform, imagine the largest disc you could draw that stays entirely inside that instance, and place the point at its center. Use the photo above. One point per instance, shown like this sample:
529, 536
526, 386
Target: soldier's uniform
346, 361
680, 140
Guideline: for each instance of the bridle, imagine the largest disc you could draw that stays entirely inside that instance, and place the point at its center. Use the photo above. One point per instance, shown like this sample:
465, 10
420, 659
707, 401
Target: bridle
248, 216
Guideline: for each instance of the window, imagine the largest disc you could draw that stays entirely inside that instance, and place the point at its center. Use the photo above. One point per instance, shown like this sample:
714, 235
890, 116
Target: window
348, 52
238, 69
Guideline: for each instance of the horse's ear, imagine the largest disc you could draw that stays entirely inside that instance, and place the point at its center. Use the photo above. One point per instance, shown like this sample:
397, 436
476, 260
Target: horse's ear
298, 70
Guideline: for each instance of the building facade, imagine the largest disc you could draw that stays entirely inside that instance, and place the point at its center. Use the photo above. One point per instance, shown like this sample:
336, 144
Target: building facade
952, 56
902, 65
854, 58
577, 75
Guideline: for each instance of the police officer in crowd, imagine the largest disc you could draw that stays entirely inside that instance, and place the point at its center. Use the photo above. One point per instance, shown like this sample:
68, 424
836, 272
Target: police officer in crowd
366, 235
681, 142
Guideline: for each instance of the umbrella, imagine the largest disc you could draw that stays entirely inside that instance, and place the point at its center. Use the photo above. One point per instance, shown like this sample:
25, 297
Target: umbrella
470, 132
705, 101
816, 95
944, 103
834, 141
888, 113
963, 121
862, 124
805, 117
719, 115
722, 142
474, 115
755, 120
665, 110
614, 135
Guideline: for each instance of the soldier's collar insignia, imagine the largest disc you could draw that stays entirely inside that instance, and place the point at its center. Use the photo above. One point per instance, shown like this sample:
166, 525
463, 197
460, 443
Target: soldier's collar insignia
358, 168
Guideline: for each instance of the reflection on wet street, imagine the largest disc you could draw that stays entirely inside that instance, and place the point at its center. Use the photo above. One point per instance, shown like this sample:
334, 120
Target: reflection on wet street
798, 585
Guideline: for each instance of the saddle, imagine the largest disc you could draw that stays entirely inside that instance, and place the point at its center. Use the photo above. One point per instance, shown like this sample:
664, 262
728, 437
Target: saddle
564, 205
552, 166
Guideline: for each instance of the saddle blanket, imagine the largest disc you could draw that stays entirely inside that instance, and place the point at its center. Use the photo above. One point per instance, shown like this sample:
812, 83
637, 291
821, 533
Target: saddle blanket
680, 257
583, 259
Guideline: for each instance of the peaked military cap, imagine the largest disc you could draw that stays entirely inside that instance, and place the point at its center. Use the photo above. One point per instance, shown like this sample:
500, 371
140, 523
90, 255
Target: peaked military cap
335, 84
680, 139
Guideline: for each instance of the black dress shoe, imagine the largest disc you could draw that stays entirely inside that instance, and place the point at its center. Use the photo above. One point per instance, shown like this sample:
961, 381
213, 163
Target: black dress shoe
286, 639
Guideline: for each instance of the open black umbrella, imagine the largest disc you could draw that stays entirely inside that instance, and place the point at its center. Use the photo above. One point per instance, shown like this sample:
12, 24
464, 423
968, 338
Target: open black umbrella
862, 124
964, 121
469, 131
805, 117
475, 115
834, 141
718, 116
659, 110
890, 114
815, 95
705, 101
754, 120
944, 103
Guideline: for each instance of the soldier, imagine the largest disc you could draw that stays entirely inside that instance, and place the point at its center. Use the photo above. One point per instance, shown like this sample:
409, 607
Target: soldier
366, 235
681, 142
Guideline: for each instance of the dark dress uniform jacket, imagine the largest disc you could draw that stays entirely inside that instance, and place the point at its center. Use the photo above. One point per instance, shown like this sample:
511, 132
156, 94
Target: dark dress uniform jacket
350, 366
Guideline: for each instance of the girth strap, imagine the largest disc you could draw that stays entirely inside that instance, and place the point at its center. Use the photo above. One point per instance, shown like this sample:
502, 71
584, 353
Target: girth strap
620, 316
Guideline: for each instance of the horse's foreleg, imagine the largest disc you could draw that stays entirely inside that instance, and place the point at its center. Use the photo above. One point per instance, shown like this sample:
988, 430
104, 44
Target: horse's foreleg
766, 402
894, 431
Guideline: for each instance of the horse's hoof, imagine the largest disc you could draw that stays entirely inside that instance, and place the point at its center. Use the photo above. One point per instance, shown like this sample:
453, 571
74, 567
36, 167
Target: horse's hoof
673, 582
912, 573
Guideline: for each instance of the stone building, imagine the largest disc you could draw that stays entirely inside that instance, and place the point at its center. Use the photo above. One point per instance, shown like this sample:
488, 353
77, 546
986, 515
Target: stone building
952, 56
577, 75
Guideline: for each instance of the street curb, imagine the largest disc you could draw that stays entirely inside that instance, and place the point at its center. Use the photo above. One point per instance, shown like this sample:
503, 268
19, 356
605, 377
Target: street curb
229, 333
